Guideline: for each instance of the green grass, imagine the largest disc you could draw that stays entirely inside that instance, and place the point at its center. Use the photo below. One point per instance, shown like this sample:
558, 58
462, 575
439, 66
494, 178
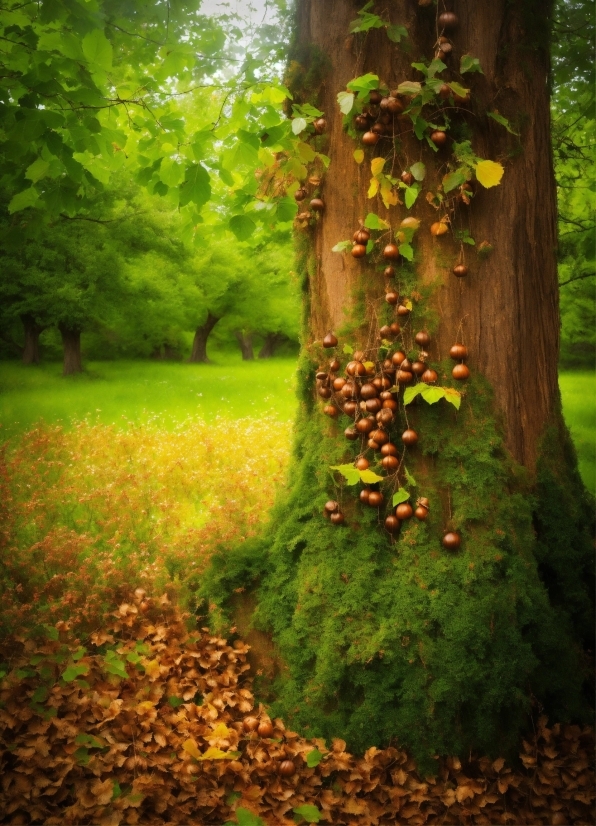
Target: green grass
578, 391
141, 391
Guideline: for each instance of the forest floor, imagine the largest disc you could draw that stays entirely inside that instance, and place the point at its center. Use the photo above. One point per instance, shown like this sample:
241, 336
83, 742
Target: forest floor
129, 477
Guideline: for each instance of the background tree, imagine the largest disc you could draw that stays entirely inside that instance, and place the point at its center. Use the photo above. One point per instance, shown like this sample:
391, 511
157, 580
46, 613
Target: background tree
574, 126
384, 637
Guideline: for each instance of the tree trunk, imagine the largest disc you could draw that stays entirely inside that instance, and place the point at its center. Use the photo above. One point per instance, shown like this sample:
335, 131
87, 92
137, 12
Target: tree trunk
71, 342
199, 345
271, 343
383, 635
32, 333
245, 342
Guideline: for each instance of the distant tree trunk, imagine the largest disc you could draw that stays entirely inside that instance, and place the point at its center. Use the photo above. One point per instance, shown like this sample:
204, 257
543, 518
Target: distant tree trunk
170, 353
71, 341
271, 343
202, 333
156, 353
245, 342
32, 333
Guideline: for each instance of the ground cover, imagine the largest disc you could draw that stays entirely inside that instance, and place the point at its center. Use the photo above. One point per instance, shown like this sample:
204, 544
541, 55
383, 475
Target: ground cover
578, 391
119, 392
149, 723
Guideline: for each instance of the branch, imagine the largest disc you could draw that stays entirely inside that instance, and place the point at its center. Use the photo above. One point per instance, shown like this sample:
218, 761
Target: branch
577, 278
101, 220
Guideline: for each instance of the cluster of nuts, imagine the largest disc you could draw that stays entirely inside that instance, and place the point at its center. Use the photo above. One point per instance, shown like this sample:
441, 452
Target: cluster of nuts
368, 395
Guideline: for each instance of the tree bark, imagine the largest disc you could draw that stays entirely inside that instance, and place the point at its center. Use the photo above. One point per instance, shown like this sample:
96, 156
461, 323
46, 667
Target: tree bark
245, 342
71, 342
385, 636
508, 305
271, 343
32, 333
202, 333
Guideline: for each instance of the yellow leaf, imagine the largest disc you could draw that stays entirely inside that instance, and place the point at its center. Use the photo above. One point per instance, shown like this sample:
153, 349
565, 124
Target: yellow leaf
359, 155
217, 754
376, 165
410, 222
388, 195
489, 173
191, 747
151, 667
220, 730
373, 188
369, 365
408, 304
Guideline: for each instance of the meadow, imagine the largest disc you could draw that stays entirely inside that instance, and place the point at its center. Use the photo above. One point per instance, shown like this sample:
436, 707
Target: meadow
135, 472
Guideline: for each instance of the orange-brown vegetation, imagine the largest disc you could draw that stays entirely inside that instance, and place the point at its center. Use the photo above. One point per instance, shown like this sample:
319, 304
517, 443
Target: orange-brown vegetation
85, 512
146, 726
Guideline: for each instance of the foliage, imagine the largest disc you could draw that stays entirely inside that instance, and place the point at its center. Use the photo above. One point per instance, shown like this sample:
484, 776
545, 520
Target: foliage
573, 131
131, 745
87, 92
89, 510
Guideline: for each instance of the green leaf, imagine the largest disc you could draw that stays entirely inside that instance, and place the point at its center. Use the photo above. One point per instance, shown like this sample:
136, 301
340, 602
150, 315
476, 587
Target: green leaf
418, 170
406, 251
453, 397
395, 33
364, 83
73, 671
435, 67
410, 393
411, 195
358, 155
400, 495
286, 209
79, 653
37, 170
242, 226
346, 102
454, 179
409, 87
175, 701
52, 633
372, 221
247, 818
420, 127
432, 394
310, 813
410, 479
298, 125
349, 472
369, 477
81, 756
503, 121
98, 49
458, 89
22, 200
89, 741
469, 64
347, 349
341, 246
313, 758
116, 667
196, 186
41, 694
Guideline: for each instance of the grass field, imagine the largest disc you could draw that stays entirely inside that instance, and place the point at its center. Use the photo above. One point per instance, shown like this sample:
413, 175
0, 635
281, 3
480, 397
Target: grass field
166, 394
578, 391
143, 391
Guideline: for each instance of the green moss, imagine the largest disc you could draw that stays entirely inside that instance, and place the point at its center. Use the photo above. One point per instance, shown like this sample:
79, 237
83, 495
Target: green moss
401, 640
